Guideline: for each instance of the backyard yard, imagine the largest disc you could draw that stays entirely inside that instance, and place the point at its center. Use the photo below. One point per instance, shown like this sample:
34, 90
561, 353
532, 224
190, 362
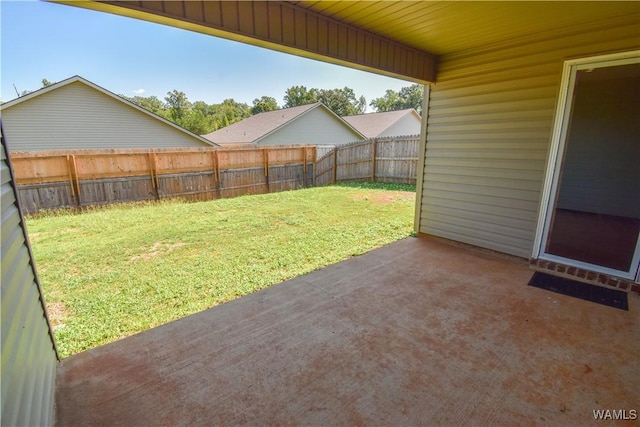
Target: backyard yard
114, 271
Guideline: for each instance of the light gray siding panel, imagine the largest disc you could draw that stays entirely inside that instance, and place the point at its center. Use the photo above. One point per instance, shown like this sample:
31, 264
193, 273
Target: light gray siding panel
77, 116
489, 128
407, 125
316, 127
27, 350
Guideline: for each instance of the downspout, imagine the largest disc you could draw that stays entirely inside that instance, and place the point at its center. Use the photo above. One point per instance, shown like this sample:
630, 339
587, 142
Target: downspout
422, 150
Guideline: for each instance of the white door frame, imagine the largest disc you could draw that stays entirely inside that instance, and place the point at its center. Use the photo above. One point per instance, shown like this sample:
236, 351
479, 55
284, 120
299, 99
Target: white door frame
552, 174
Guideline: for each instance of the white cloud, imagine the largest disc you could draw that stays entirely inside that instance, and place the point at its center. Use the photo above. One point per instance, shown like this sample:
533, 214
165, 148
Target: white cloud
139, 91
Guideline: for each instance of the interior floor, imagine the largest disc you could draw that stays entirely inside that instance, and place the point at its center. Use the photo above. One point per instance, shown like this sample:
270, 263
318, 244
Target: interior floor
598, 239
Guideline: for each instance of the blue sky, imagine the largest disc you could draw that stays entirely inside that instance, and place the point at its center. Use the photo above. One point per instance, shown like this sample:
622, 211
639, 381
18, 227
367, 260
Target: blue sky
126, 56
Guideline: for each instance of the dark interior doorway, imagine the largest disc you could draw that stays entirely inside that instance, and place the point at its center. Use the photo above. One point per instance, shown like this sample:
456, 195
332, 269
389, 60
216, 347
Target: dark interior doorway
596, 216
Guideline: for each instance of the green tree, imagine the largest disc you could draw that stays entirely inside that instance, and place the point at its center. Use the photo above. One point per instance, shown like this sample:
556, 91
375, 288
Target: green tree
413, 96
391, 101
407, 97
45, 83
264, 104
343, 102
299, 95
204, 108
229, 112
196, 121
177, 104
150, 103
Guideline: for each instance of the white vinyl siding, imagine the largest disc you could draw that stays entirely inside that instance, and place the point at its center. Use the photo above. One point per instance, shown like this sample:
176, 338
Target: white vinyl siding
489, 128
315, 127
407, 125
28, 354
77, 116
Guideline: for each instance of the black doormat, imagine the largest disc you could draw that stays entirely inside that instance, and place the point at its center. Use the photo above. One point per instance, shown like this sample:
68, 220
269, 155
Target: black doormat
610, 297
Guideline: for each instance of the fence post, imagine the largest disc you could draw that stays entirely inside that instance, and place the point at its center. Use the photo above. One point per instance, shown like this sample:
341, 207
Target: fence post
217, 172
70, 167
374, 143
265, 154
335, 165
74, 173
154, 173
304, 166
213, 172
314, 156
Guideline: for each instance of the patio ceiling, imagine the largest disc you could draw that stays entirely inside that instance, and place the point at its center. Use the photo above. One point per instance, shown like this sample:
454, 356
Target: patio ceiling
397, 38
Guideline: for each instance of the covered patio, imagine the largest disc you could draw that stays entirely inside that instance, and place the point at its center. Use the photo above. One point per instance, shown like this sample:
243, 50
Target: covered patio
420, 332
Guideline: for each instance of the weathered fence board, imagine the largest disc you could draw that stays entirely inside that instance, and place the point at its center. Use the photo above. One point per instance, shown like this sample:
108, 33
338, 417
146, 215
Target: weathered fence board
393, 159
325, 169
49, 195
195, 186
53, 180
115, 190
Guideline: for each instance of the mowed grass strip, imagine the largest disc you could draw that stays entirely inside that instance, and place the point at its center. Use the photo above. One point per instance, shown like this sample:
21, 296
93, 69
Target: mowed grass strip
111, 272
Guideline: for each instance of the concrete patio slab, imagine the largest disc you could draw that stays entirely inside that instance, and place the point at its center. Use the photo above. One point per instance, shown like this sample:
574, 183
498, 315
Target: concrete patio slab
420, 332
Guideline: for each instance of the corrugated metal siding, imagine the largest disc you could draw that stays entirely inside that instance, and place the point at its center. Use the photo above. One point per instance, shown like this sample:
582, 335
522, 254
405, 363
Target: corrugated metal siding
78, 117
28, 353
316, 127
489, 128
407, 125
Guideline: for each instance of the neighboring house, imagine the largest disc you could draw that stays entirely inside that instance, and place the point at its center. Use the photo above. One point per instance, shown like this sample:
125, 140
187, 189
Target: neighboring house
311, 124
76, 114
386, 124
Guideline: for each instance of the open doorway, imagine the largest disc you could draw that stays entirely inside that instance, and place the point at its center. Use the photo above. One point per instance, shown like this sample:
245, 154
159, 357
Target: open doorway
593, 215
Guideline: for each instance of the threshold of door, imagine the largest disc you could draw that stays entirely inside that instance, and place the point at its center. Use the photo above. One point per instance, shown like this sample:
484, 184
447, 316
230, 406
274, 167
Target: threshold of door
582, 275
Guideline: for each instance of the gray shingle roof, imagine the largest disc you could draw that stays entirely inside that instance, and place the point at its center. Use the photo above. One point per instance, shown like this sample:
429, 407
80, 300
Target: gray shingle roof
255, 127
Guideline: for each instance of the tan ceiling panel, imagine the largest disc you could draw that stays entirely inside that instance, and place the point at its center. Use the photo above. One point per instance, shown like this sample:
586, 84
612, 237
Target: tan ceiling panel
451, 27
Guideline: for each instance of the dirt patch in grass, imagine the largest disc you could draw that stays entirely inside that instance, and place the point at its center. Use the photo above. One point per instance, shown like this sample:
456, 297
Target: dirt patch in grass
58, 313
381, 198
158, 248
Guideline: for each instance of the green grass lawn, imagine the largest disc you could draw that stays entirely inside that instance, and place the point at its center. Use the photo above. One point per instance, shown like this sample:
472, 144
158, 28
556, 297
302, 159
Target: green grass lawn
111, 272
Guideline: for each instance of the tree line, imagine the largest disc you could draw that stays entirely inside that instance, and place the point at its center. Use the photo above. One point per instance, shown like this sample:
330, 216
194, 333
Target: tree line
202, 118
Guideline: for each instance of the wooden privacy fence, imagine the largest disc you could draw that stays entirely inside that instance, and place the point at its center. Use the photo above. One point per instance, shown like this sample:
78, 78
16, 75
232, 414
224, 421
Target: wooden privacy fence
392, 159
55, 179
